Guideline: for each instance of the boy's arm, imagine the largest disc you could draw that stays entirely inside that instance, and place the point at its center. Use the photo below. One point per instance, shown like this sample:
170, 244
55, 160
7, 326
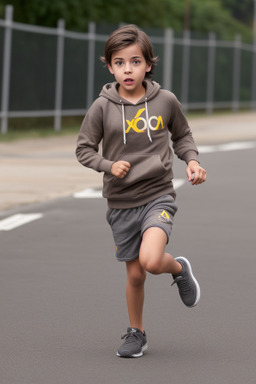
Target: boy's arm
90, 135
183, 144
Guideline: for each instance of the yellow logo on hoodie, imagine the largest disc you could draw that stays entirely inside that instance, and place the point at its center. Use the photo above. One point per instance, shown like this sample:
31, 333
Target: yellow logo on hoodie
133, 123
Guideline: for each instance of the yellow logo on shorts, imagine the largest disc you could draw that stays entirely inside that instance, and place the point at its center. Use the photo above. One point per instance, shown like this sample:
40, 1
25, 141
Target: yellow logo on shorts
164, 216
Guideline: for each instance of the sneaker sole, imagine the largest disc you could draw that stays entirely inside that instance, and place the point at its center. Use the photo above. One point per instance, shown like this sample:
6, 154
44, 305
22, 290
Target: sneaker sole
198, 292
139, 354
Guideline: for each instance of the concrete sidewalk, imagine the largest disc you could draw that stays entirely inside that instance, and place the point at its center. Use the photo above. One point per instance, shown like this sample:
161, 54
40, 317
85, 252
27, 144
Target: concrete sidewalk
40, 169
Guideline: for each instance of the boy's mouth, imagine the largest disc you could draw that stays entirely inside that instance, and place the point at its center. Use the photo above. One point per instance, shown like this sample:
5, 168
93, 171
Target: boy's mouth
128, 81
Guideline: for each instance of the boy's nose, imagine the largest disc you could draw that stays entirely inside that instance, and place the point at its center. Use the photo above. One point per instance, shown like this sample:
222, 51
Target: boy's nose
127, 68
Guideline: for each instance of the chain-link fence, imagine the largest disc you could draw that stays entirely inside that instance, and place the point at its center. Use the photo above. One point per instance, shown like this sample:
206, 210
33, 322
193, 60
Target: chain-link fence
55, 72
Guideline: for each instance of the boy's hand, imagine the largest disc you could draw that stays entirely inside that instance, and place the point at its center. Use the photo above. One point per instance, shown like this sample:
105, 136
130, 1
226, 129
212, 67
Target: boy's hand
120, 168
196, 174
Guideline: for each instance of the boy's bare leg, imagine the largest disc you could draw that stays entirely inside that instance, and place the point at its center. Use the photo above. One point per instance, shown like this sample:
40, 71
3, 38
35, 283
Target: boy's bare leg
153, 259
136, 276
152, 256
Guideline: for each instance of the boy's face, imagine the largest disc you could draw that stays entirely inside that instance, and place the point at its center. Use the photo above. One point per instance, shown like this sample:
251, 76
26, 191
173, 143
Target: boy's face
129, 68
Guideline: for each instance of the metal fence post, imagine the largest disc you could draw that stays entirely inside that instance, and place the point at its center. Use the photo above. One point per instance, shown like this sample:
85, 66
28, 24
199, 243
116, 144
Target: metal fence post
91, 63
211, 73
168, 58
59, 75
253, 92
236, 73
6, 67
185, 70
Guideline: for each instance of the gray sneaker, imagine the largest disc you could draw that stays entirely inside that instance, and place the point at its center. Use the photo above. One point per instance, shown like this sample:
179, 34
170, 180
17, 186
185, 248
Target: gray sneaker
134, 345
188, 286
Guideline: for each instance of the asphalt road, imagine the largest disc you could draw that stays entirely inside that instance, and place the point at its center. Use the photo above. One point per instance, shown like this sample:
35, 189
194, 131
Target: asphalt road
62, 294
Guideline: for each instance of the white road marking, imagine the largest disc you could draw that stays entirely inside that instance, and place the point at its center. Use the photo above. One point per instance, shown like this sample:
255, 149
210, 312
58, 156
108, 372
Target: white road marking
17, 220
235, 146
177, 183
91, 193
88, 193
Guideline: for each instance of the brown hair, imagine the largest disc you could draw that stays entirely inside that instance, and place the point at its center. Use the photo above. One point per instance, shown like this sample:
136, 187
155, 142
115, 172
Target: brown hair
126, 36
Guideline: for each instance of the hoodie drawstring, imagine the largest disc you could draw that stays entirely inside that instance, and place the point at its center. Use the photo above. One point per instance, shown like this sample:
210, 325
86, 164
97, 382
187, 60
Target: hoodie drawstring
124, 120
147, 120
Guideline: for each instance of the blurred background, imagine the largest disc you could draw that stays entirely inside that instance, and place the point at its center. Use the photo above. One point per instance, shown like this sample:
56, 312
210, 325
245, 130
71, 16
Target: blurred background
50, 71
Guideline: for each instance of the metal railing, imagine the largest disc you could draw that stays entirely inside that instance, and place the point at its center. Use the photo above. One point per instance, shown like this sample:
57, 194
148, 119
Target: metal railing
55, 72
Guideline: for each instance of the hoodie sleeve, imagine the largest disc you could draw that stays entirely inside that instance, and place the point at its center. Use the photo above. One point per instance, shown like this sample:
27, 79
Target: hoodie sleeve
89, 138
183, 143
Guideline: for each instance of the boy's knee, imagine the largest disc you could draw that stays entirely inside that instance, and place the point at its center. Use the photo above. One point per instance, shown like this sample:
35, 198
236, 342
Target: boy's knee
150, 264
152, 267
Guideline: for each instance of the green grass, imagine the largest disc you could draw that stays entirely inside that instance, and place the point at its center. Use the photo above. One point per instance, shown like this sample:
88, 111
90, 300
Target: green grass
41, 132
20, 129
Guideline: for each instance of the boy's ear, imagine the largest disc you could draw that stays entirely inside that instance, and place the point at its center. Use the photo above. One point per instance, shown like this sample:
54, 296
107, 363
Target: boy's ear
110, 69
148, 69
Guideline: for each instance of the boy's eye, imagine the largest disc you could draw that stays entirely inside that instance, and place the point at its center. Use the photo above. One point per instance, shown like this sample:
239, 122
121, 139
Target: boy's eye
119, 63
136, 62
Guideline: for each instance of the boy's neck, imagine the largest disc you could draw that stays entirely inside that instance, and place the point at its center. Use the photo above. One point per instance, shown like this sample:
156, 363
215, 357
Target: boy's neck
130, 96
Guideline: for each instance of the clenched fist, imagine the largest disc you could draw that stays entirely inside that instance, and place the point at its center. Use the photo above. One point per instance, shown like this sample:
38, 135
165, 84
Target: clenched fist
120, 168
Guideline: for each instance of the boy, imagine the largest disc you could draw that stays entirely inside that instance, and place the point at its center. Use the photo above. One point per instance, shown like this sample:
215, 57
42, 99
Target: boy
133, 116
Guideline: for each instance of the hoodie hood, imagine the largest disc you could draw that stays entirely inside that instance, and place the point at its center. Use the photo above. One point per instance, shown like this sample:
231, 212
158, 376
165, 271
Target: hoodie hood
110, 92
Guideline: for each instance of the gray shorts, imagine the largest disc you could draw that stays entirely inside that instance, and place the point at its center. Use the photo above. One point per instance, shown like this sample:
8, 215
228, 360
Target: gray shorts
128, 225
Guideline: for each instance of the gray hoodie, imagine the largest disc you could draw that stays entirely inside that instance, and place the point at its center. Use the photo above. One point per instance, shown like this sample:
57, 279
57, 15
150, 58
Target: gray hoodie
137, 133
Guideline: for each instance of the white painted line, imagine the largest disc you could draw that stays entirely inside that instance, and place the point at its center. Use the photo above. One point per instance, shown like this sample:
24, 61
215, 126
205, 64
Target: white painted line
235, 146
177, 183
206, 148
17, 220
91, 193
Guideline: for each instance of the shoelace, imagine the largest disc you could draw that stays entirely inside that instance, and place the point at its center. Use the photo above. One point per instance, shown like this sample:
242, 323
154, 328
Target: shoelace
129, 337
182, 284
